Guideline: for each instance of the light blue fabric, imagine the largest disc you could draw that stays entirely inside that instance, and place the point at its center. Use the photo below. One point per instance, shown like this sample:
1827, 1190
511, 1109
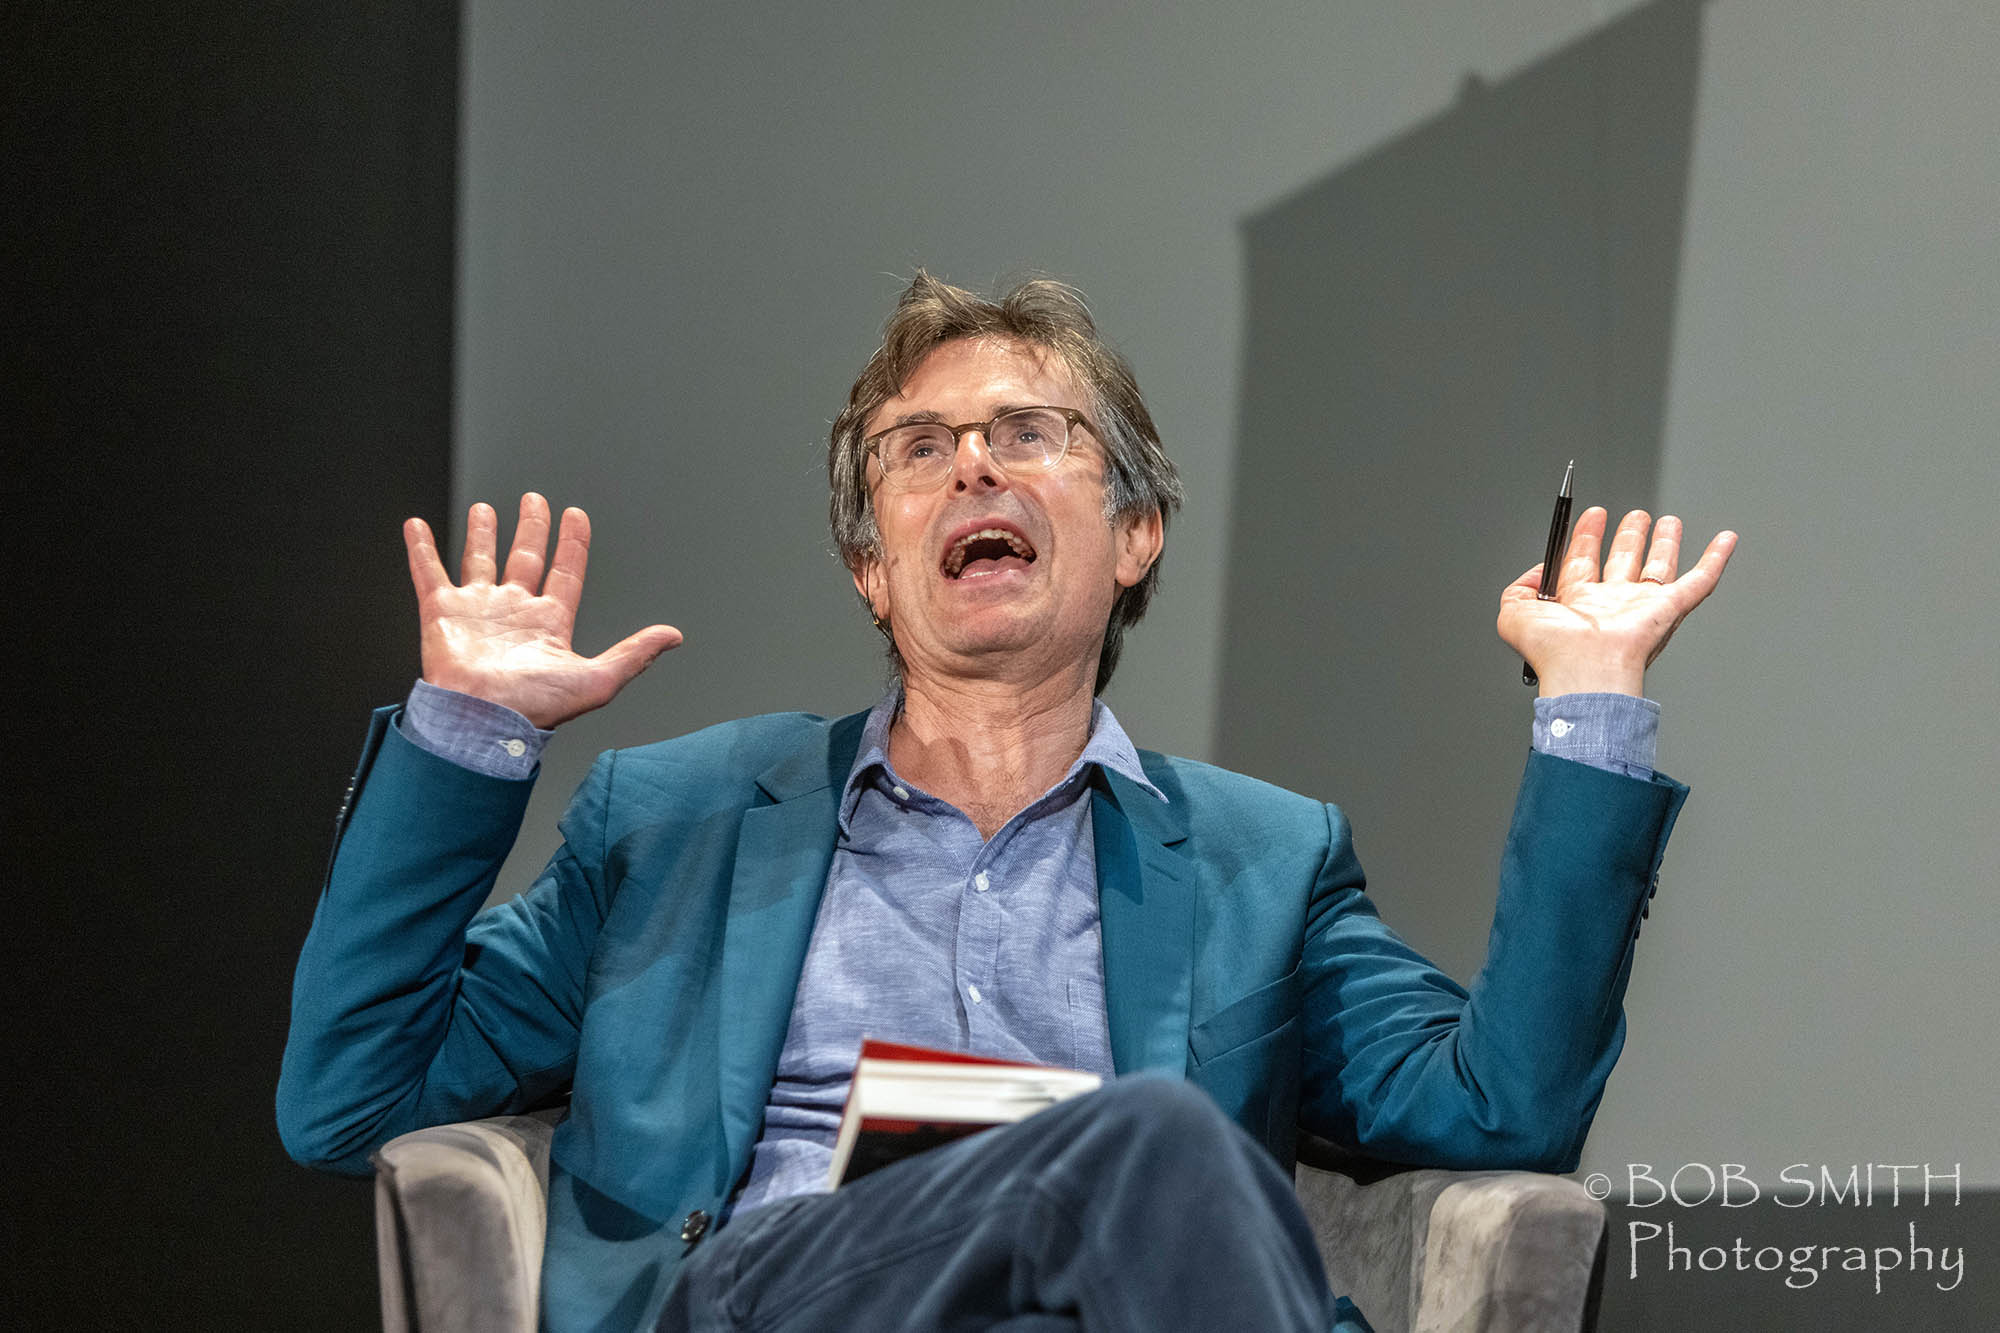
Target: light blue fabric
931, 934
653, 967
1614, 731
473, 733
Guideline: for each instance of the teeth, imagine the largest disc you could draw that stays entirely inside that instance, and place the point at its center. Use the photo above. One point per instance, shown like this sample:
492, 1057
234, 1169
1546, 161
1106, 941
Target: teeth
954, 559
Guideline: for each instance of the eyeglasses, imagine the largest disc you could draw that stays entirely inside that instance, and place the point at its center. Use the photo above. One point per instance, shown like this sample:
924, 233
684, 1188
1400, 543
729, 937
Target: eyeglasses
1026, 440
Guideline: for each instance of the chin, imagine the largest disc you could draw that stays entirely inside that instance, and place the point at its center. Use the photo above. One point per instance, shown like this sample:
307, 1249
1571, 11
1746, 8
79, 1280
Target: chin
985, 643
997, 642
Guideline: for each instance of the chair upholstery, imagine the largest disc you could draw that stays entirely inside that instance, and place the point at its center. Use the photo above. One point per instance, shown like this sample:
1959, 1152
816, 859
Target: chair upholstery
460, 1214
1422, 1250
461, 1210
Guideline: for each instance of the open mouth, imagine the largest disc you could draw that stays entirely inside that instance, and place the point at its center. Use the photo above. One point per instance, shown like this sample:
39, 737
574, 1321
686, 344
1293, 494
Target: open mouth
987, 551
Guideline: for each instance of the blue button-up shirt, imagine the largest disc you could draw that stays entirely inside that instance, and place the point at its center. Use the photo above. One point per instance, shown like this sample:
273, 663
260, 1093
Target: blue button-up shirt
930, 933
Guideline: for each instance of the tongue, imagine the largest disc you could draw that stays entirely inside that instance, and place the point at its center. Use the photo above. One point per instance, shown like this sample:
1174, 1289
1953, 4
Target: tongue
991, 565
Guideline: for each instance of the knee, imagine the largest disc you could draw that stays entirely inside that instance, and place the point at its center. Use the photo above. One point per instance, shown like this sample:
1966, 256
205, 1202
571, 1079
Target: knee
1168, 1112
1160, 1139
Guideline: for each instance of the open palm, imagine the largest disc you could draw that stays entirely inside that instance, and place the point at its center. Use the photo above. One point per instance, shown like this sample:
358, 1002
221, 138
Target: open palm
1604, 627
504, 636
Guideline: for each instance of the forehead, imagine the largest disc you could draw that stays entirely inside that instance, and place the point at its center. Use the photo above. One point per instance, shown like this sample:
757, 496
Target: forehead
969, 378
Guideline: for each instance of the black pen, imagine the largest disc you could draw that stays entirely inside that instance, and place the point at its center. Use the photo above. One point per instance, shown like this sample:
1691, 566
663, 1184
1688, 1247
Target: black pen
1558, 532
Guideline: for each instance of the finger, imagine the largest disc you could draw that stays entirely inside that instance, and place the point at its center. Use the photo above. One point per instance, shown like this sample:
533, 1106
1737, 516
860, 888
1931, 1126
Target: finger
634, 653
1580, 561
531, 543
1530, 583
426, 570
1622, 564
565, 582
1695, 585
1665, 558
482, 527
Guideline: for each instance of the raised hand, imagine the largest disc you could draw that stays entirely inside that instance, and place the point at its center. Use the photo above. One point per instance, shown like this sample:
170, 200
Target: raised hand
505, 637
1605, 627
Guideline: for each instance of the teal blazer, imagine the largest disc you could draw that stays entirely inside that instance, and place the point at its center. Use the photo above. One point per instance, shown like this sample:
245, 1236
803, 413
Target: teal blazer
649, 973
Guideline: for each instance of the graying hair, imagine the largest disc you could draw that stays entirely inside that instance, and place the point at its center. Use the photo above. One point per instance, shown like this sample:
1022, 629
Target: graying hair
1042, 313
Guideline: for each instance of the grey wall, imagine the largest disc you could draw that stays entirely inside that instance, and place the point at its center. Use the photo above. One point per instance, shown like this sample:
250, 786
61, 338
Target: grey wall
682, 228
1432, 331
1815, 982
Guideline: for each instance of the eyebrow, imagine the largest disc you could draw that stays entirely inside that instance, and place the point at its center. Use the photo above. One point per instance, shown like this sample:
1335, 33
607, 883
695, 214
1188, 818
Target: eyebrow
928, 417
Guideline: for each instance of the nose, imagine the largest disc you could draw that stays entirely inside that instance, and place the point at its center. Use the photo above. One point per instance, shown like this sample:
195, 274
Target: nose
973, 467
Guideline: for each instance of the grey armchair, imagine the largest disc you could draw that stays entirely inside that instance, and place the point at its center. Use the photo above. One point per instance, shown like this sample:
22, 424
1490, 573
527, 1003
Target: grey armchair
1423, 1251
460, 1212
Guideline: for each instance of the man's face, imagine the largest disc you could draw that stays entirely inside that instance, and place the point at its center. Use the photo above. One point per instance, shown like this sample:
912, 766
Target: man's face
968, 607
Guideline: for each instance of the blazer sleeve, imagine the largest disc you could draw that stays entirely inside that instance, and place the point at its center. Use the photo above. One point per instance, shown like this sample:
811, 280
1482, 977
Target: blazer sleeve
1403, 1063
410, 1007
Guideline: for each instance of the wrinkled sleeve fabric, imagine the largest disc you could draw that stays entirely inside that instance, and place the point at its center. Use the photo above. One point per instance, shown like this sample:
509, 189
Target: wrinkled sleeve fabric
1407, 1066
473, 733
1619, 732
410, 1007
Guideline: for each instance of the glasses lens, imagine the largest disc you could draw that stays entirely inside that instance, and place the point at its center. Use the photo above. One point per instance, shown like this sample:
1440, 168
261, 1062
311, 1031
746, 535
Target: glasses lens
1031, 439
914, 455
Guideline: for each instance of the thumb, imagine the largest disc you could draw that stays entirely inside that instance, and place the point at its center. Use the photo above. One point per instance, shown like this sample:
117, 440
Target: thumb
634, 653
1529, 584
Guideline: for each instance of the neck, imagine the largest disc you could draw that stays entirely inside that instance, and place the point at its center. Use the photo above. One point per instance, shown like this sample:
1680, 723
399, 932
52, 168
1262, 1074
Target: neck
990, 747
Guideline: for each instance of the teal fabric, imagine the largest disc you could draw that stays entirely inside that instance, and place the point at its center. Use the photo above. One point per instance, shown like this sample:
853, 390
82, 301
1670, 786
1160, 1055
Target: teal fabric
651, 970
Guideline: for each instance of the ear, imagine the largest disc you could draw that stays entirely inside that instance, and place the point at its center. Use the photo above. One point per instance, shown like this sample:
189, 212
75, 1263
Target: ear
872, 584
1140, 539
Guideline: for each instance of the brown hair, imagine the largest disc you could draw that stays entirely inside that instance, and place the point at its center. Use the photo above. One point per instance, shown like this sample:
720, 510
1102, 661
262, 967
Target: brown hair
1042, 313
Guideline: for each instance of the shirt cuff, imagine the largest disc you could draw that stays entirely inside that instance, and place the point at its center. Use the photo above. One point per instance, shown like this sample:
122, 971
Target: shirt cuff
473, 733
1618, 732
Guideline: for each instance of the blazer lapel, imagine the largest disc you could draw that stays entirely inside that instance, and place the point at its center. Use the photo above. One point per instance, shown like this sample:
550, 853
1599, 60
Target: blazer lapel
783, 850
1146, 906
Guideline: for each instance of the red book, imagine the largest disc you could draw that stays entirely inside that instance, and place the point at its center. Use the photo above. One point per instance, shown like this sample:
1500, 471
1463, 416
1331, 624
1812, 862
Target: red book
905, 1099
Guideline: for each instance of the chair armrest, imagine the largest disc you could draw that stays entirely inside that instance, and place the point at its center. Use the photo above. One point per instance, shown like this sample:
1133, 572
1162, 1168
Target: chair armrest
1512, 1251
1420, 1250
461, 1212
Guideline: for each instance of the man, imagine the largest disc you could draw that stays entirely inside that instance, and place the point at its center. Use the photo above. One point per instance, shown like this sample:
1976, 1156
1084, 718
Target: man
983, 860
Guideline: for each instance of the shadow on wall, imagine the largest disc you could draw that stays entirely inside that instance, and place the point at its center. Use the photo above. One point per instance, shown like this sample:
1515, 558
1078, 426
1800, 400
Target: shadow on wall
1432, 332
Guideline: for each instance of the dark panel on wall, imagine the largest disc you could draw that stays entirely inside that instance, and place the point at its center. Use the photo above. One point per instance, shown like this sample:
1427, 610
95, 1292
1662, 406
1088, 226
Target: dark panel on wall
1431, 333
228, 321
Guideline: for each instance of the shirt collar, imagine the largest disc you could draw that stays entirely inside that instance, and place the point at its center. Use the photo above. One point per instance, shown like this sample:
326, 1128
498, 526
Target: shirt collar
1108, 747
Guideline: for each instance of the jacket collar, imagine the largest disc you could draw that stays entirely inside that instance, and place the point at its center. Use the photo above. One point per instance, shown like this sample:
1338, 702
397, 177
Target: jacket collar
822, 761
1145, 899
783, 850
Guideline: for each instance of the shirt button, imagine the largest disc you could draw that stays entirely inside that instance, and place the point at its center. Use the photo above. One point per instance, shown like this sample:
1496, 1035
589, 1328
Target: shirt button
1561, 727
694, 1226
981, 881
514, 746
902, 793
973, 991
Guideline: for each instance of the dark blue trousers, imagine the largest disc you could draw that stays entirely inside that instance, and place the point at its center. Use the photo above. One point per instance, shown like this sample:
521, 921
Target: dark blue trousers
1139, 1208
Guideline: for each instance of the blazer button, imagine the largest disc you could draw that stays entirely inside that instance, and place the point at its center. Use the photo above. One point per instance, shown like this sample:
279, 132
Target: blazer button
694, 1226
